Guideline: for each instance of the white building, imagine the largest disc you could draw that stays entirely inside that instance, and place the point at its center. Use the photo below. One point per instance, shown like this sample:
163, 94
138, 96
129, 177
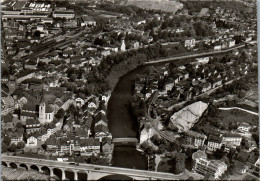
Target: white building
231, 140
31, 142
212, 168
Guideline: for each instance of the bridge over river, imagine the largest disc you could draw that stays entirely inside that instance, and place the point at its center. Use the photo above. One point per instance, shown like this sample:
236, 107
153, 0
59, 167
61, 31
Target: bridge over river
92, 172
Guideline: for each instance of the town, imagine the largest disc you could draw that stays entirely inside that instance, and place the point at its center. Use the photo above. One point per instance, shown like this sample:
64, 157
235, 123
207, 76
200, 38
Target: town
181, 78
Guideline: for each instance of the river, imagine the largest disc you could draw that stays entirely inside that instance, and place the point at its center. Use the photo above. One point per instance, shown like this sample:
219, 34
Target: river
122, 124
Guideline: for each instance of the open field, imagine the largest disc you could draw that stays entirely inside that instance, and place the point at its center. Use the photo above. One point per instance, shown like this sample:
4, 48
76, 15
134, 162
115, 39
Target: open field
235, 116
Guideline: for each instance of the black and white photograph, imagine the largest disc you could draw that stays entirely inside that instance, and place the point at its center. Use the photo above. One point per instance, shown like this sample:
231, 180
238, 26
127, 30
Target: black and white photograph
129, 90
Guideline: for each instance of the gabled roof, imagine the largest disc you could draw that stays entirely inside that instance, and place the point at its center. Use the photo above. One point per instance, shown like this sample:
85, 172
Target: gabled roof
101, 116
89, 142
101, 128
32, 121
29, 114
215, 139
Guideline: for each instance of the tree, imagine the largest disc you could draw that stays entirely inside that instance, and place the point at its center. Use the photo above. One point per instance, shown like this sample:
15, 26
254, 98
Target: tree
44, 146
7, 140
12, 147
20, 145
4, 147
60, 114
255, 136
180, 163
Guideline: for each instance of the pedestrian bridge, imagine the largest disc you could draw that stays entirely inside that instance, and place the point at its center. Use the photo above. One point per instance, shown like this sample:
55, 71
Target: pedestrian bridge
91, 172
125, 140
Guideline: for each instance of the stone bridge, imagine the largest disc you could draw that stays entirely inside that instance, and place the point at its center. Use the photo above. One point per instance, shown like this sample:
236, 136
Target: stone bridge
82, 171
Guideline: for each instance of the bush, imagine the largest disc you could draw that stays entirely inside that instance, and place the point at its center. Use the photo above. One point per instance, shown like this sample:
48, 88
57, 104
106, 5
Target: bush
12, 147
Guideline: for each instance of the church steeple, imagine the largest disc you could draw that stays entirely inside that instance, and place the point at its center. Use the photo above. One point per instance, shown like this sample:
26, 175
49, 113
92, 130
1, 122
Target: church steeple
42, 109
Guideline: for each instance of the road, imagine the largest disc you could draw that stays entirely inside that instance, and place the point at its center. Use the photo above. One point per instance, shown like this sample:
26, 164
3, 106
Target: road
238, 108
194, 55
95, 168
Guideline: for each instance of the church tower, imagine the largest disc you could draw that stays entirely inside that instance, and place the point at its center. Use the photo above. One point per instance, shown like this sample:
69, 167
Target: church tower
42, 108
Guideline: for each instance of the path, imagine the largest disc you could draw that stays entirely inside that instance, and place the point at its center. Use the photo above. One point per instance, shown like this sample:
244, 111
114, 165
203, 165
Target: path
238, 108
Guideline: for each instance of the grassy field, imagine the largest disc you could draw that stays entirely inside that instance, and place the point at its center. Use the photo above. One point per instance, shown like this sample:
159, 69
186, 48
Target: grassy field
236, 116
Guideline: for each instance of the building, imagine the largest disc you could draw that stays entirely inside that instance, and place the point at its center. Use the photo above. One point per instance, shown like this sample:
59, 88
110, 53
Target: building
214, 143
211, 168
63, 13
123, 46
217, 47
46, 114
244, 127
193, 138
32, 125
88, 21
231, 43
89, 145
190, 43
16, 137
231, 140
203, 60
31, 141
107, 148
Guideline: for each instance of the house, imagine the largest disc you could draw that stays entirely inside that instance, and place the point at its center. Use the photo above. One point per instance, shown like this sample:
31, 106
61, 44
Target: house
101, 119
206, 87
224, 45
102, 131
244, 127
16, 137
31, 141
214, 143
88, 21
193, 138
32, 125
105, 97
105, 53
141, 22
231, 140
248, 39
217, 47
190, 43
206, 167
231, 43
203, 60
79, 102
92, 104
89, 145
107, 148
